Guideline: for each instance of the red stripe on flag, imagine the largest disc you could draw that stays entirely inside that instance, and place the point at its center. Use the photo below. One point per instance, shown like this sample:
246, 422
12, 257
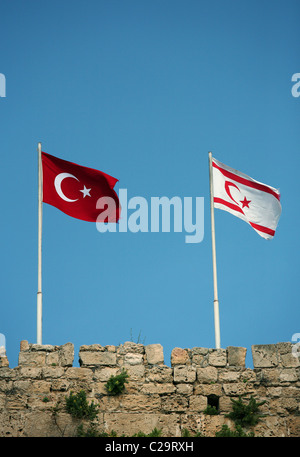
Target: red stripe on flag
246, 182
263, 229
228, 204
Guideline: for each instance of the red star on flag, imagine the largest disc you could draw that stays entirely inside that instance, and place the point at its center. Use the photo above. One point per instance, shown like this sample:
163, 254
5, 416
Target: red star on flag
75, 189
245, 202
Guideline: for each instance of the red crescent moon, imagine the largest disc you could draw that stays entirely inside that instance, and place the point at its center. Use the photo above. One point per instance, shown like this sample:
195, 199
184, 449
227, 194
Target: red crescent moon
229, 184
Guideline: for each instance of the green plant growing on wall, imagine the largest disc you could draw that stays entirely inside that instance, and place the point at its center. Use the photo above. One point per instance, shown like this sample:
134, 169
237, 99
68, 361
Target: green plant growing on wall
185, 433
77, 405
139, 338
92, 432
237, 433
154, 433
246, 414
211, 410
243, 415
116, 384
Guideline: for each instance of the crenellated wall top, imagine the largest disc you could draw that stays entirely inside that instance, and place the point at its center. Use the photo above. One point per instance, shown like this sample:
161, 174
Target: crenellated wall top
130, 353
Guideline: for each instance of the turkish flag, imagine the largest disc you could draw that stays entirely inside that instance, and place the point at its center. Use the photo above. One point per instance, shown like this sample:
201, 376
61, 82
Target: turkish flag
252, 201
76, 190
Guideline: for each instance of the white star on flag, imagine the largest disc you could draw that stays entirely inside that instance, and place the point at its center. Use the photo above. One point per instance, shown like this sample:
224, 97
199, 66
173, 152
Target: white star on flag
86, 192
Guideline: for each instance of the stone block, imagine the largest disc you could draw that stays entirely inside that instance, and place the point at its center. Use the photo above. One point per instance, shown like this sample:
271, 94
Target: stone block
52, 372
21, 386
104, 373
184, 389
133, 359
288, 357
80, 374
274, 392
291, 391
294, 426
184, 373
229, 376
236, 356
94, 358
30, 372
211, 424
208, 389
60, 385
133, 422
39, 387
238, 388
174, 403
16, 403
217, 358
24, 345
135, 372
110, 348
99, 389
91, 347
42, 347
191, 423
130, 346
46, 354
107, 403
264, 356
179, 357
225, 404
207, 374
4, 361
141, 402
66, 355
156, 388
197, 403
268, 376
154, 354
288, 375
52, 358
199, 356
160, 373
32, 358
41, 424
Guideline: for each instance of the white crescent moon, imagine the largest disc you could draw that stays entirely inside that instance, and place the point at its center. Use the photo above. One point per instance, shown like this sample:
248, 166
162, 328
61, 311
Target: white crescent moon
57, 183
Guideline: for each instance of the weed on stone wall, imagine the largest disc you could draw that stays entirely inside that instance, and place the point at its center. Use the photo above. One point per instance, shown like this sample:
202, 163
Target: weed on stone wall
116, 384
243, 415
78, 407
246, 414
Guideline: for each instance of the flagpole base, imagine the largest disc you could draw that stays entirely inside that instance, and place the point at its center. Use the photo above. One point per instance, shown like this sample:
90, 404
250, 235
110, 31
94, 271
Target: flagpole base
217, 324
39, 318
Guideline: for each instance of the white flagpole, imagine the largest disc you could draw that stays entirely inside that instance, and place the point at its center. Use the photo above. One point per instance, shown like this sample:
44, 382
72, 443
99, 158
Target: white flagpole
40, 215
216, 300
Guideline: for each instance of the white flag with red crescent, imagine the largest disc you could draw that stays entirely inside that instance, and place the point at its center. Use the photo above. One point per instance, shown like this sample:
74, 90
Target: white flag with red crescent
250, 200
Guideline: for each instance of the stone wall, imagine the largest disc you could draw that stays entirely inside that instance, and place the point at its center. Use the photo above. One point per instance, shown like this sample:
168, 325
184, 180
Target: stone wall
173, 399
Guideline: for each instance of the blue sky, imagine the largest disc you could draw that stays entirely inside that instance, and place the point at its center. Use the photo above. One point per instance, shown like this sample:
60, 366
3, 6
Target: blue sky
142, 90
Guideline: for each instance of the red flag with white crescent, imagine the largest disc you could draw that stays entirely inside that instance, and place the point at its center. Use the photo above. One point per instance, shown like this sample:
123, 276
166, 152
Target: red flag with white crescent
75, 190
252, 201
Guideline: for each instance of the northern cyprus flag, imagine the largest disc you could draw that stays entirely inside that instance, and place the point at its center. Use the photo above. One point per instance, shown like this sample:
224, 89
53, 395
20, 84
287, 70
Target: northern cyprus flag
250, 200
